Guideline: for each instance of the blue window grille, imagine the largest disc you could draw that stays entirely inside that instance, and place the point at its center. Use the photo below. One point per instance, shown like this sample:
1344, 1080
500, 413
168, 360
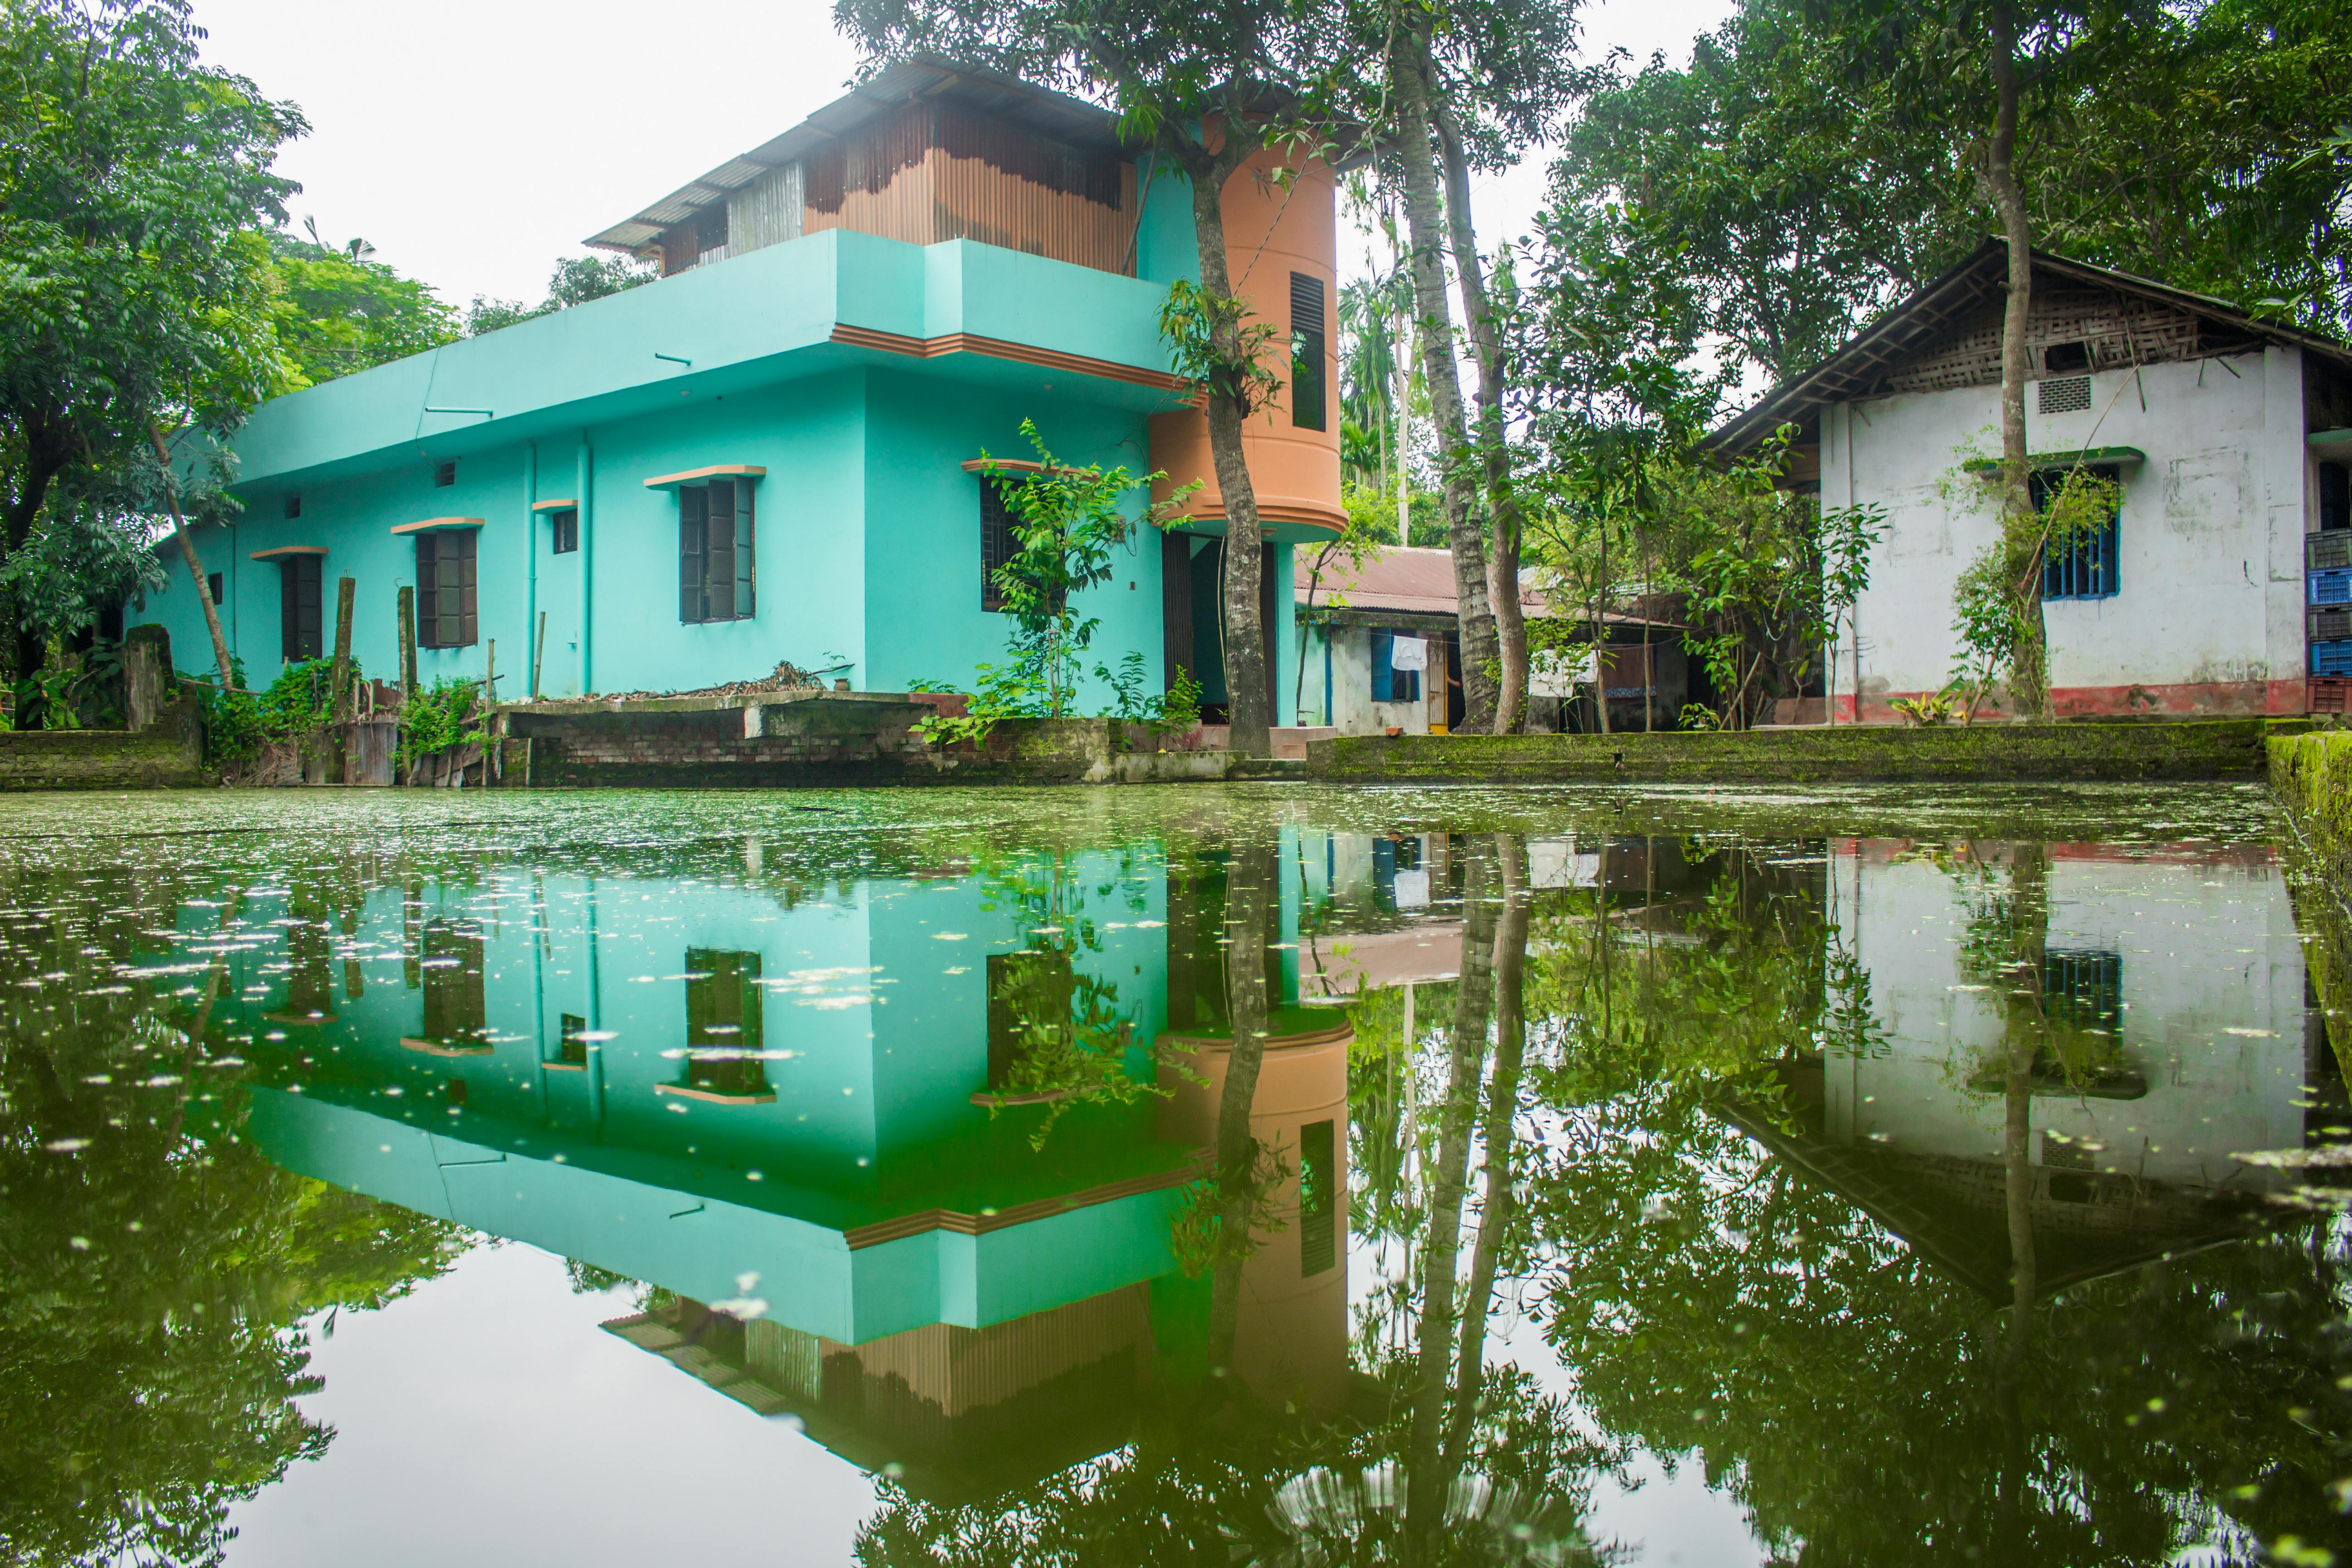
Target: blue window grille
2084, 568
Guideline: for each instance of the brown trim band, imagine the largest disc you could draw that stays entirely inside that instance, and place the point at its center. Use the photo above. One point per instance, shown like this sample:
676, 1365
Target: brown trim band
923, 1220
1332, 1036
1296, 514
713, 1097
446, 1048
997, 348
1009, 465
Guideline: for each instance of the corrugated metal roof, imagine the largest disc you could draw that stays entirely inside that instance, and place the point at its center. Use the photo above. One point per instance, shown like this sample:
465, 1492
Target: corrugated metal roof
1049, 114
1401, 578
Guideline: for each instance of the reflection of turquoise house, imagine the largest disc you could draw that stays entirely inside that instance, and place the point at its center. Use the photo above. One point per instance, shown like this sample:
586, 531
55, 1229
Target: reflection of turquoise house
519, 1063
768, 455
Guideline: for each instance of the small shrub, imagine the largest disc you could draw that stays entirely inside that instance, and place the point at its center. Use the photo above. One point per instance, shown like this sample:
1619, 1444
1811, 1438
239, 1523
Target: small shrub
437, 718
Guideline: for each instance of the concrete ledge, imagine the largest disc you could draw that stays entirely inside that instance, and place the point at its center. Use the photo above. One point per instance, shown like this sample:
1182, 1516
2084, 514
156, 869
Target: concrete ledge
2146, 751
2313, 776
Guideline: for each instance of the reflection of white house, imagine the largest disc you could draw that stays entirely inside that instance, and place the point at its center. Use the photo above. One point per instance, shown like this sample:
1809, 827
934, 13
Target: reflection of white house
2194, 955
2229, 436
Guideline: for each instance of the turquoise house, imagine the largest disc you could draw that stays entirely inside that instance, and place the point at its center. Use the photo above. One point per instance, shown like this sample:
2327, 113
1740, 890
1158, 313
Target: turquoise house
769, 455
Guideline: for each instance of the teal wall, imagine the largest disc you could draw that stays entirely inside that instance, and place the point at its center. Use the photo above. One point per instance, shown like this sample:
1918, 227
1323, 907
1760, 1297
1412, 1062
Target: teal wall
875, 1010
868, 528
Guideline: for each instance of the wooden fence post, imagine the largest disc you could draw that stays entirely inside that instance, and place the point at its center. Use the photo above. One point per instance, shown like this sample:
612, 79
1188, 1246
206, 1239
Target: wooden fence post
338, 711
407, 654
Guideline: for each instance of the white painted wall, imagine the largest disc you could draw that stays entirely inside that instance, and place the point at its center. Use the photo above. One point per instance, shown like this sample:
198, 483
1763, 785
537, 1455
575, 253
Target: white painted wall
2213, 996
2210, 542
1353, 712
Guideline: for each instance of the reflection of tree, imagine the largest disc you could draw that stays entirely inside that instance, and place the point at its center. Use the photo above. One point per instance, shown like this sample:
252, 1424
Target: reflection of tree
1058, 1035
1867, 1409
148, 1358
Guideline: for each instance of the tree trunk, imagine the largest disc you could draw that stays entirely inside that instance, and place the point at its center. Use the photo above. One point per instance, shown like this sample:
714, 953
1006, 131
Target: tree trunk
1601, 634
1245, 563
339, 690
1252, 895
44, 459
2029, 668
195, 566
1425, 1482
1502, 495
1425, 219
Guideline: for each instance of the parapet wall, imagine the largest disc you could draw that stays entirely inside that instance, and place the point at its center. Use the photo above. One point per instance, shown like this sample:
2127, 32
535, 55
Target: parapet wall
167, 755
2143, 750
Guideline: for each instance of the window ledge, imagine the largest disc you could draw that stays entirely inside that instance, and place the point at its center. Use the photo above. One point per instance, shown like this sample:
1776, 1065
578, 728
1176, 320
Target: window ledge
554, 505
286, 550
2043, 462
713, 1097
447, 1048
437, 524
715, 471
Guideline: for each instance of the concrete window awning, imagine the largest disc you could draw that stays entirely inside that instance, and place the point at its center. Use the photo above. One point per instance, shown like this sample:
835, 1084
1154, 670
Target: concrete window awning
437, 524
2083, 457
283, 551
563, 504
1003, 464
714, 471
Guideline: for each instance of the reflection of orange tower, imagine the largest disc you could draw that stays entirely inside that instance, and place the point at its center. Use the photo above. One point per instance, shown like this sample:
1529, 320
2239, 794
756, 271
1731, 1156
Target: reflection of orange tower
1283, 249
1292, 1338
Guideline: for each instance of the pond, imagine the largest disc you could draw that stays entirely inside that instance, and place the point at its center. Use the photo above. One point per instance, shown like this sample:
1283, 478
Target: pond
1191, 1174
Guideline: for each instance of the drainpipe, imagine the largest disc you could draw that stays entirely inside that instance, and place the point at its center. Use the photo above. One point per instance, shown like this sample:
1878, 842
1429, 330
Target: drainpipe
530, 560
587, 576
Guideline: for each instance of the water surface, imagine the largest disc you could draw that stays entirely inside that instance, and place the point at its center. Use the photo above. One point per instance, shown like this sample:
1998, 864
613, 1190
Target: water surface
1202, 1174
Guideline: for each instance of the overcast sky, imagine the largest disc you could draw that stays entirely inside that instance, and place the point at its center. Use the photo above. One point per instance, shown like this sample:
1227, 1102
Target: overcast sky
473, 142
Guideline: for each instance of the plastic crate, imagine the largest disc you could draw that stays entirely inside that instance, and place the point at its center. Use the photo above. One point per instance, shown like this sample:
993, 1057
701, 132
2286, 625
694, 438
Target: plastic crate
2331, 551
2330, 697
2327, 626
2333, 587
2332, 658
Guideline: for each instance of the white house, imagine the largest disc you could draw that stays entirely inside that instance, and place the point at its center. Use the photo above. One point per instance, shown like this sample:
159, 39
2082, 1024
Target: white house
2221, 584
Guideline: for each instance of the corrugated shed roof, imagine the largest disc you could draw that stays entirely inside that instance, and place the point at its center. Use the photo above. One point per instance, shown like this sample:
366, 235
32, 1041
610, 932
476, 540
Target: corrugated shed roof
1050, 114
1402, 578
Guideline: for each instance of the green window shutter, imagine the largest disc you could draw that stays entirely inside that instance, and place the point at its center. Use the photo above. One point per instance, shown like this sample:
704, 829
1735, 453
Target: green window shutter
1308, 318
693, 514
719, 552
746, 578
428, 624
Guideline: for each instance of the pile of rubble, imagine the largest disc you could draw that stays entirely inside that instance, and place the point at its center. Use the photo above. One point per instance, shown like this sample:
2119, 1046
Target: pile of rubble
788, 677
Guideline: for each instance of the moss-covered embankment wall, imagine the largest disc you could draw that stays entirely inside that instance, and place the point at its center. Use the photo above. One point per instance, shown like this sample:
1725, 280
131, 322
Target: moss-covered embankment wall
2313, 776
2135, 751
169, 754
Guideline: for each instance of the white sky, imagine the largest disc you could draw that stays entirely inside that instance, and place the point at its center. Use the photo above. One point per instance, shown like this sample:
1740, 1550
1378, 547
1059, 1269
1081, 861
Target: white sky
473, 142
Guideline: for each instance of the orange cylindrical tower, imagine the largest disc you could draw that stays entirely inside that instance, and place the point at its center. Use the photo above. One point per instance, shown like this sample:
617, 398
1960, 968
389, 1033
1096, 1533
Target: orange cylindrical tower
1274, 232
1291, 1340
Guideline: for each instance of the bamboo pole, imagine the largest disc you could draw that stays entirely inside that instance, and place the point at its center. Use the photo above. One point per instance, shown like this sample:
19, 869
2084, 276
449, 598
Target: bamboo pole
407, 602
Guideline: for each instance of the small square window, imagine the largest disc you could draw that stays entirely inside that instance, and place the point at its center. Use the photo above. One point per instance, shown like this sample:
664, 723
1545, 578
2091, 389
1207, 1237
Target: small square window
2066, 359
2069, 394
567, 531
293, 507
2088, 567
445, 473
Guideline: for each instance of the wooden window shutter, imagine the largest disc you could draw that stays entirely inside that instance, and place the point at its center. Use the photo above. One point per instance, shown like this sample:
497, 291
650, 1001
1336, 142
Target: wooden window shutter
746, 573
693, 503
428, 625
469, 625
719, 552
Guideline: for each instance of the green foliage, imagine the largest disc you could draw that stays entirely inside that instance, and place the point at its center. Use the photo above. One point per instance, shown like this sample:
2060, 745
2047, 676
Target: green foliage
1214, 345
338, 312
136, 286
576, 280
1066, 522
441, 715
